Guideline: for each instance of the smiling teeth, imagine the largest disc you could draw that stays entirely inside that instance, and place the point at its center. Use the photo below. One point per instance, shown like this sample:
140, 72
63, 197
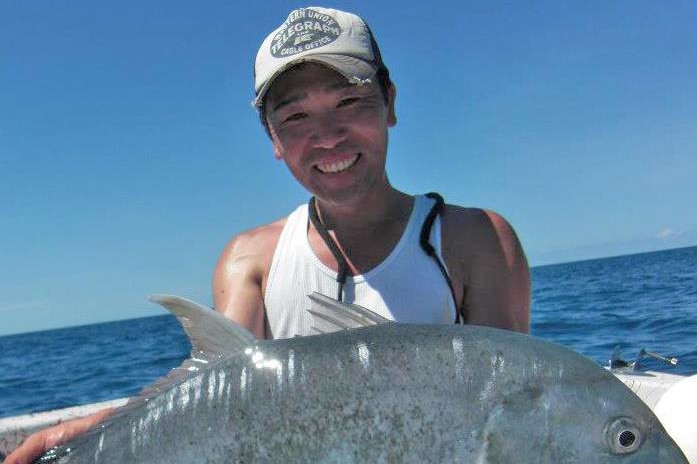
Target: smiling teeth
337, 167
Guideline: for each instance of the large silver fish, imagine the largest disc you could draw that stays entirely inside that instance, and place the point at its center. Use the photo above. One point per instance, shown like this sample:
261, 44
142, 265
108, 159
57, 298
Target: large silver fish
386, 393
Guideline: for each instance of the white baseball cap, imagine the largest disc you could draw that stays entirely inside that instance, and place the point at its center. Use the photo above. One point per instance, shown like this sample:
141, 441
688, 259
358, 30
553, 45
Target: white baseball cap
335, 38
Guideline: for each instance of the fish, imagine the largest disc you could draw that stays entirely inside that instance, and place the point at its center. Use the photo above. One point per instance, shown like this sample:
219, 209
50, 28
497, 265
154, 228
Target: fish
368, 390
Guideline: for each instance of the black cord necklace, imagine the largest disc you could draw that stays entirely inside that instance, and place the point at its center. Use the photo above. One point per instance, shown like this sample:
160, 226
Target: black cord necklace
331, 244
423, 241
430, 251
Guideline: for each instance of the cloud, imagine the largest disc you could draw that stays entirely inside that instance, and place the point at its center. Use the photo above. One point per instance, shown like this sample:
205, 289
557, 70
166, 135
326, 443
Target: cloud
23, 306
665, 233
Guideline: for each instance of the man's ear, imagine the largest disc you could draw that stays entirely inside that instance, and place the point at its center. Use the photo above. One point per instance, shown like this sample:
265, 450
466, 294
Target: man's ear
277, 153
391, 114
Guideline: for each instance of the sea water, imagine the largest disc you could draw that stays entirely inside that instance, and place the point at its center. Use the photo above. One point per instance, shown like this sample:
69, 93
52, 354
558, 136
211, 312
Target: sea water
595, 307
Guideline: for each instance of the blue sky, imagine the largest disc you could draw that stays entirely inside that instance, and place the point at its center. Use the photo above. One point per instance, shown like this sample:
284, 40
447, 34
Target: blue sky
130, 154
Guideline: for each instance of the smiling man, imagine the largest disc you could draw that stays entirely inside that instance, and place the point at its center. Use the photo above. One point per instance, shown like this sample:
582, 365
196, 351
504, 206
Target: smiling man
327, 102
326, 99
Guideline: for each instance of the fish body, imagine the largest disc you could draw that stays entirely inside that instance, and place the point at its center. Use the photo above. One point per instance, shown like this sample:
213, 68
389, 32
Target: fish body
388, 393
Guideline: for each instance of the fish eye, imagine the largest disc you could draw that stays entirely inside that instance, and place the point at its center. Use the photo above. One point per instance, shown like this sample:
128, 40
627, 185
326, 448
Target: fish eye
623, 436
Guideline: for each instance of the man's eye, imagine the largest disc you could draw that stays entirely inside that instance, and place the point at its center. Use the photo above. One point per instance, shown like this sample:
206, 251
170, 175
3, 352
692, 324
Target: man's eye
347, 101
294, 117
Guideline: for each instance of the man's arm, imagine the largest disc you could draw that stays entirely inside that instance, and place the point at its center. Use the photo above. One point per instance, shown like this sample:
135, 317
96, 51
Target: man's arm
490, 271
239, 279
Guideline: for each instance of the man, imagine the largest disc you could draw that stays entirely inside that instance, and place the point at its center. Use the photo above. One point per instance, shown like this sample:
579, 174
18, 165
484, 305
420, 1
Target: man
326, 99
327, 102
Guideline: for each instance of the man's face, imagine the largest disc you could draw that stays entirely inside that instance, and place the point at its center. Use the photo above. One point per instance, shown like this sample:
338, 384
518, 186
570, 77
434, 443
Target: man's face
331, 134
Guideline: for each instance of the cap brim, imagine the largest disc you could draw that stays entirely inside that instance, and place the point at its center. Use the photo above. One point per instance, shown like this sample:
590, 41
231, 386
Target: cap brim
348, 66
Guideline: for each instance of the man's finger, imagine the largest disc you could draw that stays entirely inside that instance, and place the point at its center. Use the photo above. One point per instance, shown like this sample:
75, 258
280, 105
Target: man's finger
30, 448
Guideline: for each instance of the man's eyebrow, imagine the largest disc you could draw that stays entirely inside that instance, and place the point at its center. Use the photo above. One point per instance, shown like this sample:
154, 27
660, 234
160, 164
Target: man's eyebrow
343, 84
287, 101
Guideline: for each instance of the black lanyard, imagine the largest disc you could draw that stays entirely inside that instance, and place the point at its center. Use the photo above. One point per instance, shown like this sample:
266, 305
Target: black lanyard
333, 247
423, 241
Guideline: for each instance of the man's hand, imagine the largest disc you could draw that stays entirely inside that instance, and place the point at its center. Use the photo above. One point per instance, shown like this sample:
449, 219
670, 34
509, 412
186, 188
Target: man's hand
46, 439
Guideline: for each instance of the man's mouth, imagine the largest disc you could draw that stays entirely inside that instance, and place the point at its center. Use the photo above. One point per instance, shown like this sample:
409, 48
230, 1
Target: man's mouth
338, 166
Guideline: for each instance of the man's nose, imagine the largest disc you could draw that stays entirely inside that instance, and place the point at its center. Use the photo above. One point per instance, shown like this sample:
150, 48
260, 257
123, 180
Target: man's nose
328, 132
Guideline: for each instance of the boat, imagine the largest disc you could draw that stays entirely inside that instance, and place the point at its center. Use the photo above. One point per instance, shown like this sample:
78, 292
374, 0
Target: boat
672, 397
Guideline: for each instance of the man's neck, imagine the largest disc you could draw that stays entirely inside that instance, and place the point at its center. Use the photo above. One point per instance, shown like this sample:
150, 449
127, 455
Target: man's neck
369, 214
365, 231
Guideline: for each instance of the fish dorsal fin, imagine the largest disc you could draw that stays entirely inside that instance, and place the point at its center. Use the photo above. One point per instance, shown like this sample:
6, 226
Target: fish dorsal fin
212, 335
330, 315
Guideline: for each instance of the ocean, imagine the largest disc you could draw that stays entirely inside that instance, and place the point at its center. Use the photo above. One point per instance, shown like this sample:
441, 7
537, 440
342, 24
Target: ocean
594, 307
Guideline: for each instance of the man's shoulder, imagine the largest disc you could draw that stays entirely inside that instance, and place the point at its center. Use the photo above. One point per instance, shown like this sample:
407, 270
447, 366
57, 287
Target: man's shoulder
485, 257
476, 230
247, 257
255, 242
240, 274
473, 220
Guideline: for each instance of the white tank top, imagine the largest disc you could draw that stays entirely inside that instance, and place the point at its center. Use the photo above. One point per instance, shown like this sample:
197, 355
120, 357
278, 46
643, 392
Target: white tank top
407, 286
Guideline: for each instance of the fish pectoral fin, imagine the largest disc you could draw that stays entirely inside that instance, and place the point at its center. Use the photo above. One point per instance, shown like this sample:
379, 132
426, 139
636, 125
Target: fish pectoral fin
212, 335
329, 315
